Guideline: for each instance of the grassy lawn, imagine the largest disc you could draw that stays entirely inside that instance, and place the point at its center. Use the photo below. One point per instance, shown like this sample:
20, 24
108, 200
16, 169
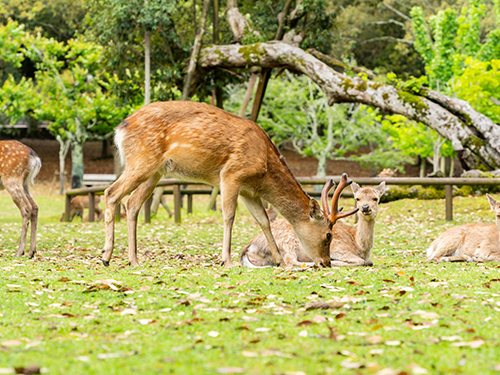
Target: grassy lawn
181, 313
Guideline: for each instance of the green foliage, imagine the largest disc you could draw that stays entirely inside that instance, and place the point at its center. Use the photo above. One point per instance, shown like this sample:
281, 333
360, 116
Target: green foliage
449, 40
479, 83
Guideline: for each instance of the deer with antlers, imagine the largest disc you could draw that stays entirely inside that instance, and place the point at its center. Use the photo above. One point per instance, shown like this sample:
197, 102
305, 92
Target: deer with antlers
19, 166
350, 246
198, 142
475, 242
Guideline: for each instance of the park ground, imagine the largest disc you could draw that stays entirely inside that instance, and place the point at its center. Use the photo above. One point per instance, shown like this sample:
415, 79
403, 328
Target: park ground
180, 312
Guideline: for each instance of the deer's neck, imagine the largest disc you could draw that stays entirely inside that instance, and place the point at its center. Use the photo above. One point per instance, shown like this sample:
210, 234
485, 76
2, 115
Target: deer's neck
365, 231
284, 192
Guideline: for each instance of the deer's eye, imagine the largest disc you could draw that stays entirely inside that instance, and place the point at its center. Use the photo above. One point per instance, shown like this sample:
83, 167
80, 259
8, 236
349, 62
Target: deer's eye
375, 199
328, 236
357, 199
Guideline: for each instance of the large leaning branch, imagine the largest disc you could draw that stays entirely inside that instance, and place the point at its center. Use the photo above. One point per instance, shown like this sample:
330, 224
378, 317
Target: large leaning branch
475, 137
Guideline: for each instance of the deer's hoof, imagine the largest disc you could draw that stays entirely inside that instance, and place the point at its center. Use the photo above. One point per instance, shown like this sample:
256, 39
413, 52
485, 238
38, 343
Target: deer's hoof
103, 251
105, 262
277, 264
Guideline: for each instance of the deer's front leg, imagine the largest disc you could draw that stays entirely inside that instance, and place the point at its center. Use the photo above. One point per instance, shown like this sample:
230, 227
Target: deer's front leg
229, 198
255, 207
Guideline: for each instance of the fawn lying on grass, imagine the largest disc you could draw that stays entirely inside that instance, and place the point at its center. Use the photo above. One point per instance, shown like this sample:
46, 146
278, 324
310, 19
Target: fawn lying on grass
350, 246
81, 202
476, 242
19, 166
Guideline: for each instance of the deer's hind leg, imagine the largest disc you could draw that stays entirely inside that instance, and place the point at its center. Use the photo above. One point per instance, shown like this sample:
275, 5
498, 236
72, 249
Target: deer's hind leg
34, 220
22, 202
134, 203
130, 179
257, 210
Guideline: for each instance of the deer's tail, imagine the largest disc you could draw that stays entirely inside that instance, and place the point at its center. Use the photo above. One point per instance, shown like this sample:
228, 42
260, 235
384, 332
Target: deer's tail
35, 164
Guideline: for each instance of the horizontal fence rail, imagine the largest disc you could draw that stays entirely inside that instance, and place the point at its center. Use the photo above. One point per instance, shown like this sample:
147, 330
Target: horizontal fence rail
178, 191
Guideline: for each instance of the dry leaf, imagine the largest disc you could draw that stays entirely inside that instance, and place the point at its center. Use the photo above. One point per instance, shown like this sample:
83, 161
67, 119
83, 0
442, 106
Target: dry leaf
231, 370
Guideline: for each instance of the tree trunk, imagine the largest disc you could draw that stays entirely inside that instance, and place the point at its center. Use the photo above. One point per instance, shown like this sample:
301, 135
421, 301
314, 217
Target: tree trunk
475, 137
196, 52
76, 164
63, 151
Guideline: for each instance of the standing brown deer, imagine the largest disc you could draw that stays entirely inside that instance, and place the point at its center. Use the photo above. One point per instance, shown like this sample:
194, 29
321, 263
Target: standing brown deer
478, 242
350, 246
198, 142
79, 204
19, 166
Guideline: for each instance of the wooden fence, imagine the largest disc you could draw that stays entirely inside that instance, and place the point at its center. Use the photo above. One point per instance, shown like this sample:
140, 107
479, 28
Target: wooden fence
178, 192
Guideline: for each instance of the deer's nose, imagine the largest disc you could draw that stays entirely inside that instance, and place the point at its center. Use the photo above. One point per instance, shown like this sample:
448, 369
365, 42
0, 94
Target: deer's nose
365, 208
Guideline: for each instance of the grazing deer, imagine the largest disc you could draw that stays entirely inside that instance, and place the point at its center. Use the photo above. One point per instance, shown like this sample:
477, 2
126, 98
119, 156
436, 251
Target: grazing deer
19, 166
479, 242
79, 203
198, 142
350, 246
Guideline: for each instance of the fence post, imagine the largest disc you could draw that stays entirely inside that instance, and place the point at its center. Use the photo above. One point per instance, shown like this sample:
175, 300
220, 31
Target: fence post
91, 207
118, 214
147, 210
190, 203
67, 208
177, 203
448, 195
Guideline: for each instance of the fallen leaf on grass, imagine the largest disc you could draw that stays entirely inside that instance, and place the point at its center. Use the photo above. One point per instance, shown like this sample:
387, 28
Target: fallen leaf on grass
7, 370
213, 333
497, 367
393, 343
324, 305
451, 338
319, 319
389, 371
29, 370
303, 333
471, 344
417, 370
129, 312
351, 365
304, 323
10, 343
426, 315
231, 370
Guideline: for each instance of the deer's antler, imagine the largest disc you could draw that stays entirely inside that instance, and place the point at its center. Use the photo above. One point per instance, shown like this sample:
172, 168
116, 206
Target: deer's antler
335, 213
324, 196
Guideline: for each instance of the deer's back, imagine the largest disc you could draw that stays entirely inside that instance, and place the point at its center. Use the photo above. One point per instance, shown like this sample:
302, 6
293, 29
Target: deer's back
193, 140
15, 159
475, 239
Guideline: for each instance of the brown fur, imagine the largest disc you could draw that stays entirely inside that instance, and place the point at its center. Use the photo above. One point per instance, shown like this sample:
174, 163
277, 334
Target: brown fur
81, 202
350, 246
471, 242
197, 142
19, 166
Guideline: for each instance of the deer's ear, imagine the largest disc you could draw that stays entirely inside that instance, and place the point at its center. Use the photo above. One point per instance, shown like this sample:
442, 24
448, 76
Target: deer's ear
355, 187
315, 211
380, 188
492, 201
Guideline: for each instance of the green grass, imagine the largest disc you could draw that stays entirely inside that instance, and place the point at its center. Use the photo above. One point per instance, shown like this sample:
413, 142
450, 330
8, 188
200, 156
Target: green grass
181, 313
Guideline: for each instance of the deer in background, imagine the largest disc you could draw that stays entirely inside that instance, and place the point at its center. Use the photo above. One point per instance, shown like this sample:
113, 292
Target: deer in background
350, 246
479, 242
19, 166
198, 142
79, 203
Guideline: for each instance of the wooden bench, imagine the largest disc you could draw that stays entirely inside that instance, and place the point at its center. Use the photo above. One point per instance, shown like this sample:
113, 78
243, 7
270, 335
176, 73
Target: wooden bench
98, 179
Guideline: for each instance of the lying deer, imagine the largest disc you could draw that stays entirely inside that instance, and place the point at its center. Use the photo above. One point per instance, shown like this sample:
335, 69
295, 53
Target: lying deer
350, 246
470, 242
19, 166
198, 142
81, 202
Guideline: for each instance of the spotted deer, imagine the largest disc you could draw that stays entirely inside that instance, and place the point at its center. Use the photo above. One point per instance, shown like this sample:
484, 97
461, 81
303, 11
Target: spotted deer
198, 142
350, 246
79, 204
19, 166
479, 242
